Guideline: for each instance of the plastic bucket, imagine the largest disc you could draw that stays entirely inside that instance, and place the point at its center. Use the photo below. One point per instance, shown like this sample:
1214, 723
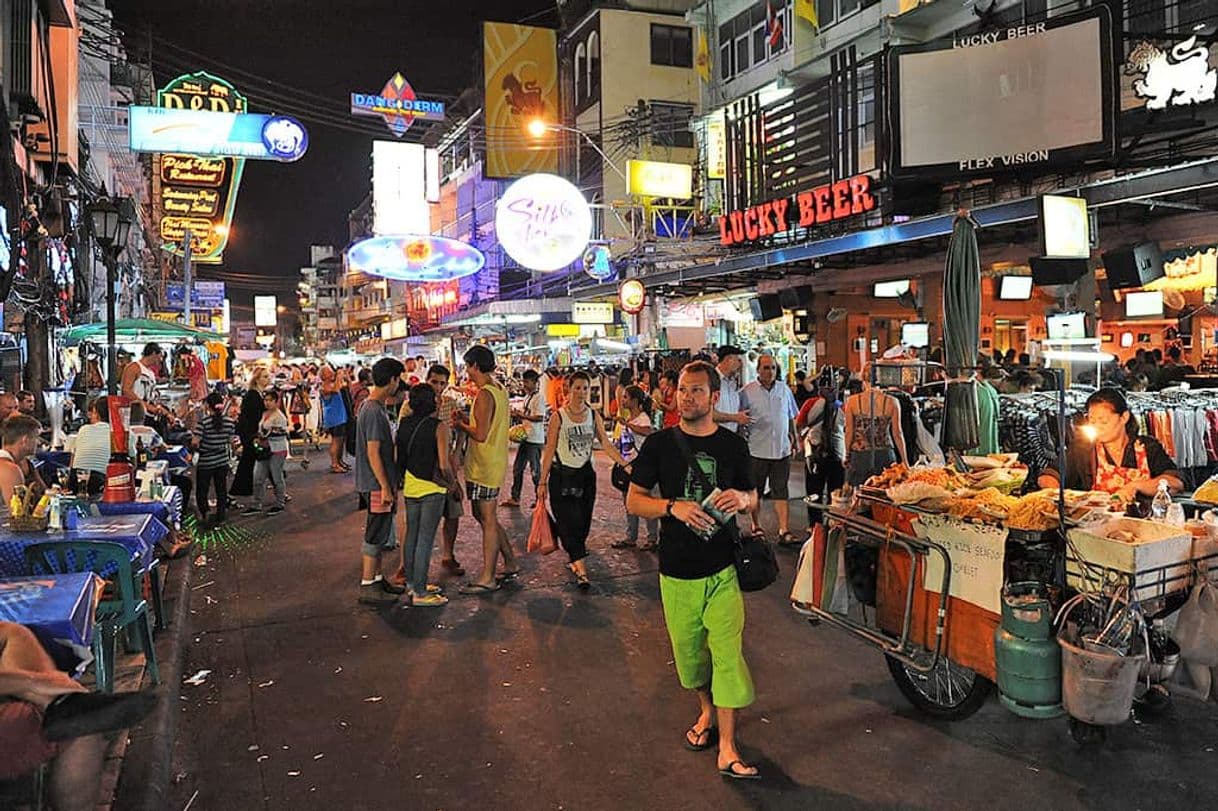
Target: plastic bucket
1097, 687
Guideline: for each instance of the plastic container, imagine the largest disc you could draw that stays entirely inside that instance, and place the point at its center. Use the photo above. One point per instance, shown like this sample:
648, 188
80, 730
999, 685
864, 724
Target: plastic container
1098, 686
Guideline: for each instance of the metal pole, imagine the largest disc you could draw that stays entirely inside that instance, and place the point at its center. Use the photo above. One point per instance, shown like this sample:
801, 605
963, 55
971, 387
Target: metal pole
111, 348
187, 245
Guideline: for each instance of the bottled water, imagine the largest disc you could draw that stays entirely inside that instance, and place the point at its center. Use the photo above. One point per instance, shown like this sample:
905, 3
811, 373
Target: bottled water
1161, 503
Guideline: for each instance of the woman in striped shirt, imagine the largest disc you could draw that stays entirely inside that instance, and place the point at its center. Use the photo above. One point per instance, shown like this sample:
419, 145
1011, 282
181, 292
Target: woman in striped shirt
213, 439
91, 453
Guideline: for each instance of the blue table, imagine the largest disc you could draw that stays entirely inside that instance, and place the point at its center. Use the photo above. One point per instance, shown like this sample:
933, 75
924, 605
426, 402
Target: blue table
167, 509
179, 457
138, 533
59, 611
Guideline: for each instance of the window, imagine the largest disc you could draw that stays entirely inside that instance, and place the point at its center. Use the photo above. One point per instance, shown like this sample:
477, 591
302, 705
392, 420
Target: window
580, 59
1146, 16
672, 45
594, 65
744, 41
761, 34
866, 117
727, 64
670, 124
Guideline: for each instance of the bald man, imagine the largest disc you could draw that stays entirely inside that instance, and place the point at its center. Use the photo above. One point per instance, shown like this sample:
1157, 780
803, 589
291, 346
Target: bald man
772, 442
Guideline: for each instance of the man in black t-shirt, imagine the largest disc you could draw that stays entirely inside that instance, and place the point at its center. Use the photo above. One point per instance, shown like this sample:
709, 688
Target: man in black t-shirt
703, 605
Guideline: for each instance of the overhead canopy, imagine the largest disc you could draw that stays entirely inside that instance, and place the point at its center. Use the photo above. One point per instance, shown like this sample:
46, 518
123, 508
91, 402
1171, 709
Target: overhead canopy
134, 330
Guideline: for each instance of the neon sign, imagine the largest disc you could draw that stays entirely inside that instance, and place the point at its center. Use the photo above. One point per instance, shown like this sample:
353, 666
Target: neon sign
215, 134
543, 222
632, 296
179, 178
827, 203
397, 105
414, 258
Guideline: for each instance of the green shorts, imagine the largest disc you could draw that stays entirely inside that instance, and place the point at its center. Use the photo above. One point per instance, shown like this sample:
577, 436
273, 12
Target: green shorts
705, 619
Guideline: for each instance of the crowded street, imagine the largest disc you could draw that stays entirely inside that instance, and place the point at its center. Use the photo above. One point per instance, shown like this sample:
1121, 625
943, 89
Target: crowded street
608, 404
544, 697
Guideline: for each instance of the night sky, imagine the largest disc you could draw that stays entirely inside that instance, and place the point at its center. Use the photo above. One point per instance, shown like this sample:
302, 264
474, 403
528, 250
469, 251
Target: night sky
311, 55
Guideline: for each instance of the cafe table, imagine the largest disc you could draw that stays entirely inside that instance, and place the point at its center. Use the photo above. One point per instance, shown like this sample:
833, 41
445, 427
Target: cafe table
138, 533
167, 509
58, 609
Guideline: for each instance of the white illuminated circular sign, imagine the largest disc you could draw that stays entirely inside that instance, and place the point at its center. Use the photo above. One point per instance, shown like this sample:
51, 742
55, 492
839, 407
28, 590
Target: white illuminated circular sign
543, 222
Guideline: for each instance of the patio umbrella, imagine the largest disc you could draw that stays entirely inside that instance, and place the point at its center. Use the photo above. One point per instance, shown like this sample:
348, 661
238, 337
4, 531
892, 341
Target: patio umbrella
961, 334
129, 330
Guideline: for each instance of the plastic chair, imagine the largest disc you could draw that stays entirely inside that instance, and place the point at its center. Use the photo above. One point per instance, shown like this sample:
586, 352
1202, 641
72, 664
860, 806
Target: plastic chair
113, 616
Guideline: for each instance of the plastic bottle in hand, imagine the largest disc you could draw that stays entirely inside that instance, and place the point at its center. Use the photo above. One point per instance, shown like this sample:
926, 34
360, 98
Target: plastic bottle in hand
1161, 502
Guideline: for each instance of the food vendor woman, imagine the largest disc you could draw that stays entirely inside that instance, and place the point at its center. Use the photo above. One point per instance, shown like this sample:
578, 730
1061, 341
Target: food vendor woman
1119, 460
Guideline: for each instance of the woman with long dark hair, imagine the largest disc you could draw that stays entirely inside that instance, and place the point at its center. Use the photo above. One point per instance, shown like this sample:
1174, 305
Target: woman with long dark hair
213, 439
252, 408
823, 430
1119, 460
567, 474
422, 455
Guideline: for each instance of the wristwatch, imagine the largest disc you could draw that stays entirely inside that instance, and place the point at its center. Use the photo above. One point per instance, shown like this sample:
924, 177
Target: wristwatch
668, 507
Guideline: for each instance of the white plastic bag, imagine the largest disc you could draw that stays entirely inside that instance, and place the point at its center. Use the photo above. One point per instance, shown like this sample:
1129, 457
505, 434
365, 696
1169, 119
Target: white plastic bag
1197, 627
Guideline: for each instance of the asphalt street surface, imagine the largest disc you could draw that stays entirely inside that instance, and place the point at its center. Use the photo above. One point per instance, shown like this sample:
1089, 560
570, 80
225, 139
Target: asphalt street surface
543, 697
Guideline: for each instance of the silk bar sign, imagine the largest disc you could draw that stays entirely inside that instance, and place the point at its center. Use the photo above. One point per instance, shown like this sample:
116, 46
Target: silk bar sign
823, 204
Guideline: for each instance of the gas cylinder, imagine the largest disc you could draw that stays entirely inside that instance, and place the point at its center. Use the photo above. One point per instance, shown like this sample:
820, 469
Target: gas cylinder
1028, 658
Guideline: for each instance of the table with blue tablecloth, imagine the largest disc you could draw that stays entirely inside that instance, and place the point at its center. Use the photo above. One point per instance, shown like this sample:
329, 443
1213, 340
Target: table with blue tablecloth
138, 533
167, 509
179, 457
58, 609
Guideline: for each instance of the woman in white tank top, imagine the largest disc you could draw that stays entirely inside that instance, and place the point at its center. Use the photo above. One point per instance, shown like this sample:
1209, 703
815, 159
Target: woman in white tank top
567, 473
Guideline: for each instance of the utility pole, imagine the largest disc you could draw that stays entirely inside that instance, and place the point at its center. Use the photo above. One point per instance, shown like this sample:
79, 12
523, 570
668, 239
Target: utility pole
187, 244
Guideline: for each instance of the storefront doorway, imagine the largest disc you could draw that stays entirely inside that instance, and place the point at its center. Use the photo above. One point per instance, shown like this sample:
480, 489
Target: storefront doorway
1010, 334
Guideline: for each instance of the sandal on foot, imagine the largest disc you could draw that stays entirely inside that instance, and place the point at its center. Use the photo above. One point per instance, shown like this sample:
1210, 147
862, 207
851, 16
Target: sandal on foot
625, 543
692, 734
649, 546
787, 539
730, 771
757, 532
507, 577
478, 588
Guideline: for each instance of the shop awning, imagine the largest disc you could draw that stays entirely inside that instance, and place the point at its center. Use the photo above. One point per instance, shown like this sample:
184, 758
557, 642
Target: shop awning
1141, 186
515, 311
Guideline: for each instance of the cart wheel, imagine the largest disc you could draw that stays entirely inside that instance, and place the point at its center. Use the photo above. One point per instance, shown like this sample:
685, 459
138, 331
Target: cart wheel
1086, 734
949, 692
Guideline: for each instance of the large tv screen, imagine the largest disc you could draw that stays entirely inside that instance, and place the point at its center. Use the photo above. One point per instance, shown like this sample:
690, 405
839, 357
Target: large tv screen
1024, 97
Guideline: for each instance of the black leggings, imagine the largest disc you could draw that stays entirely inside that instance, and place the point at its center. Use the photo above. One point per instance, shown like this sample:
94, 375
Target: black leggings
205, 476
572, 497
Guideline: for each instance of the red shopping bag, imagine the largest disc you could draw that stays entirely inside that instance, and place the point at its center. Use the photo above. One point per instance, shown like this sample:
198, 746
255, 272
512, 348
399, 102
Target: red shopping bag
541, 534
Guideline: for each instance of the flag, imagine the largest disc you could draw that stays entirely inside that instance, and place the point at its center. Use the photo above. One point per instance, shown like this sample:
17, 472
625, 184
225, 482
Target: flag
775, 25
702, 57
807, 10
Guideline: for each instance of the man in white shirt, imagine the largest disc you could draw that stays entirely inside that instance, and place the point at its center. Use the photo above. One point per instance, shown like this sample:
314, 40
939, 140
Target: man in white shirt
772, 441
528, 453
728, 412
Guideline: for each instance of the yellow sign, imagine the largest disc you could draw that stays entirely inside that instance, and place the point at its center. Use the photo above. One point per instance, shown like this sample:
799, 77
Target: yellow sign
196, 192
657, 179
520, 65
592, 312
716, 148
562, 330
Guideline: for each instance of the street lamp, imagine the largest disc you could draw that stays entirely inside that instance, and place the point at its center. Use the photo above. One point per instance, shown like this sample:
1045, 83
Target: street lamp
538, 128
111, 226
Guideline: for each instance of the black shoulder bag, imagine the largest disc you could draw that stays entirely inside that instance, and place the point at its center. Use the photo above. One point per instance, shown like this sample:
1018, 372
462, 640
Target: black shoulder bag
756, 563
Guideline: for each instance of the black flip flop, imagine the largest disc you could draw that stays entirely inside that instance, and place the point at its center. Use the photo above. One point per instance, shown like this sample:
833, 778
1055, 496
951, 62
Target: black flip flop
787, 539
478, 589
507, 577
730, 771
712, 739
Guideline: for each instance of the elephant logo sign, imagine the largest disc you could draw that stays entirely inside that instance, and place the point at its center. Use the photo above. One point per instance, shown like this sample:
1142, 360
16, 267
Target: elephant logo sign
1177, 78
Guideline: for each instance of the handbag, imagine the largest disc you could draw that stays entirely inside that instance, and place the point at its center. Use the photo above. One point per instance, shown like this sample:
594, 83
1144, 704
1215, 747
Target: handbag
619, 477
541, 534
756, 563
262, 448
